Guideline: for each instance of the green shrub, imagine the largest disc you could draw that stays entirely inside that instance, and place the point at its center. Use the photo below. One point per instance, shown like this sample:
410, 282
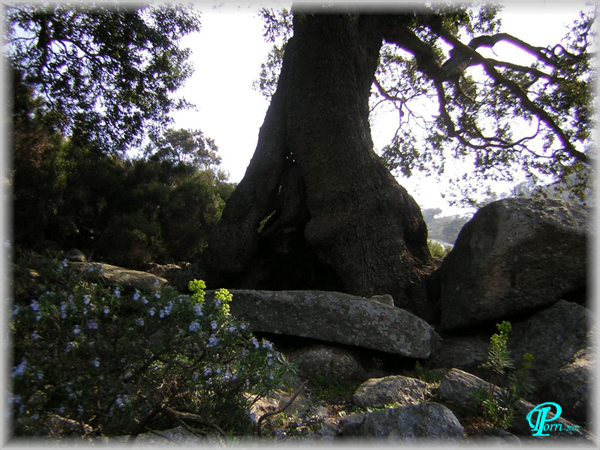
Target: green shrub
499, 407
91, 359
437, 249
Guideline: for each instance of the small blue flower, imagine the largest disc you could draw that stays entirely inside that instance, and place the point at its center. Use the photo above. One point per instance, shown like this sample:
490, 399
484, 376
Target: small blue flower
119, 402
213, 341
255, 342
86, 299
34, 305
267, 345
157, 294
217, 302
63, 264
69, 347
207, 372
34, 335
194, 326
40, 375
63, 306
76, 330
140, 322
63, 315
93, 325
136, 296
117, 292
106, 310
242, 326
198, 310
152, 311
213, 325
15, 310
20, 369
97, 362
144, 300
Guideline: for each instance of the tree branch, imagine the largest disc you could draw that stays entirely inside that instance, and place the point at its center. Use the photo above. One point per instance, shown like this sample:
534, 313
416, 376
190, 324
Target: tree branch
514, 89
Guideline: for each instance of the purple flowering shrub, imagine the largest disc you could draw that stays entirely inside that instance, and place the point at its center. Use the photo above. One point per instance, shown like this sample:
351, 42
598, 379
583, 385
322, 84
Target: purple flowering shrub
92, 359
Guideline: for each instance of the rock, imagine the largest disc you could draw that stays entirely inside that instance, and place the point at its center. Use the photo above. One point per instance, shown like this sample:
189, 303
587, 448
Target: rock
410, 423
114, 275
385, 299
515, 255
458, 388
392, 389
330, 362
462, 352
75, 255
488, 436
571, 388
553, 336
335, 317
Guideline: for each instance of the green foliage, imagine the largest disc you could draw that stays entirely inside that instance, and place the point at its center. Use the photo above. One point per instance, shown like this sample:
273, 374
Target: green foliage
437, 249
499, 119
499, 407
278, 30
106, 72
332, 389
498, 359
153, 208
96, 359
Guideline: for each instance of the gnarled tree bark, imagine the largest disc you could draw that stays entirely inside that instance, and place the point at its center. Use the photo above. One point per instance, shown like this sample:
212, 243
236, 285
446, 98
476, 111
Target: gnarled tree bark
317, 208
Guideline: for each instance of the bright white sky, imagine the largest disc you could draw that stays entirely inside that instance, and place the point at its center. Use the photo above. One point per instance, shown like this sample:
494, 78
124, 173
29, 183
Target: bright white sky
228, 52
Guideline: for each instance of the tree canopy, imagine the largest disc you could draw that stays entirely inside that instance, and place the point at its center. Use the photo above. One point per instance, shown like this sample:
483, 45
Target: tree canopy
106, 72
455, 102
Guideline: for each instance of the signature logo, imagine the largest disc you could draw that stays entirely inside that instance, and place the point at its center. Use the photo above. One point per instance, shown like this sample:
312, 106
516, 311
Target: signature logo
542, 420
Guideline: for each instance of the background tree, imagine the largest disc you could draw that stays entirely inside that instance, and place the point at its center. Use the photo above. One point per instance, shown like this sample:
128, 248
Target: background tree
107, 73
320, 205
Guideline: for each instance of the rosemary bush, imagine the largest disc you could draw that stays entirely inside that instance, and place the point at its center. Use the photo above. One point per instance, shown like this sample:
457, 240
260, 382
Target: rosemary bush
92, 359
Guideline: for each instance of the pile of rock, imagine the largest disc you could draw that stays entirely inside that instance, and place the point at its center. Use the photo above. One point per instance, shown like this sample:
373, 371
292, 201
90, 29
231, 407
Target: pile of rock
520, 260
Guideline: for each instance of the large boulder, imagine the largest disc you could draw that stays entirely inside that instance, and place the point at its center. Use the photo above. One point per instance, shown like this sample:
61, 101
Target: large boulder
553, 336
330, 362
514, 256
572, 387
335, 317
378, 392
458, 389
408, 424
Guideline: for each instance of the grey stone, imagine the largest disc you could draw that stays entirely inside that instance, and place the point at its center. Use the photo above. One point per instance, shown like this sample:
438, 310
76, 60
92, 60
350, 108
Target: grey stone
552, 336
572, 387
114, 275
411, 423
514, 256
335, 317
75, 255
392, 389
462, 352
385, 299
328, 361
458, 388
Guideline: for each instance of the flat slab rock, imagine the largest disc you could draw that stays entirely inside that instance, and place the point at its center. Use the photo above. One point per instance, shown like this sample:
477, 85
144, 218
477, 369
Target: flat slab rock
335, 317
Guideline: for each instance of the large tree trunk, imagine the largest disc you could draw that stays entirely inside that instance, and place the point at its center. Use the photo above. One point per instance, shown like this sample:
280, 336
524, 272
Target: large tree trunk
317, 209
